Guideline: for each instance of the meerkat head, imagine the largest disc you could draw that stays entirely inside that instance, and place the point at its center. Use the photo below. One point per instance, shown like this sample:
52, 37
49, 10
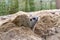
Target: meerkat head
33, 21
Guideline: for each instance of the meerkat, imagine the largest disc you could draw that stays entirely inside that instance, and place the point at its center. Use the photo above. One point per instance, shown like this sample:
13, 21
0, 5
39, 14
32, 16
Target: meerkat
33, 21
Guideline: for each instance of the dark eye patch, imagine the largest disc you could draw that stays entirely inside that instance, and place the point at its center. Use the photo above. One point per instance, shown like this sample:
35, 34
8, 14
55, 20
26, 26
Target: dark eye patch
30, 19
34, 18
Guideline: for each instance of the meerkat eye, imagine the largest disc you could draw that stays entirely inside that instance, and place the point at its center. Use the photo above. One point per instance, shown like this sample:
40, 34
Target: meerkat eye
34, 18
30, 19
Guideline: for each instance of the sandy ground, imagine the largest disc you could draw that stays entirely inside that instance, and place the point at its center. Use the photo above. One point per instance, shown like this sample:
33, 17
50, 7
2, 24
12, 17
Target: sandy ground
18, 26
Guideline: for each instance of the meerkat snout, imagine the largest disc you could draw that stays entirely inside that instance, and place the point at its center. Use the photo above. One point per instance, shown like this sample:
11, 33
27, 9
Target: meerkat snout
33, 21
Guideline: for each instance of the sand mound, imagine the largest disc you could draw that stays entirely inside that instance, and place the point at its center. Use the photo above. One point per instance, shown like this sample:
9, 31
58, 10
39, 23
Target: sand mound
17, 26
21, 20
47, 23
20, 33
6, 27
